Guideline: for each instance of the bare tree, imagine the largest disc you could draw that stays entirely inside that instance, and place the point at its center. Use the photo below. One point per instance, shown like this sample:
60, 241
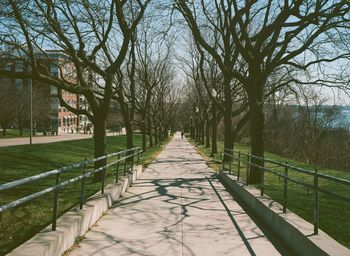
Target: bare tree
153, 68
165, 102
95, 36
219, 45
207, 79
266, 36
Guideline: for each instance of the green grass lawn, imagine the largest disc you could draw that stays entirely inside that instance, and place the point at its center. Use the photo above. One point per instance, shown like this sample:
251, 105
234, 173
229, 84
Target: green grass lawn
334, 214
19, 224
14, 133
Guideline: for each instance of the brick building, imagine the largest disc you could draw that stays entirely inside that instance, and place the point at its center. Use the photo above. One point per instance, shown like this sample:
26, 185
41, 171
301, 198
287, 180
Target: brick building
56, 118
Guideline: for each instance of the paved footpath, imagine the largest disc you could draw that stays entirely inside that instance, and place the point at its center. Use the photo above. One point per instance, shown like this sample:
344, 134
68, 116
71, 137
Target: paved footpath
46, 139
177, 207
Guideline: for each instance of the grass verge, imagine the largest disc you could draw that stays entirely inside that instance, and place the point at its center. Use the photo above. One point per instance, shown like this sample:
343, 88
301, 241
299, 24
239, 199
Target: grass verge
19, 224
14, 133
334, 214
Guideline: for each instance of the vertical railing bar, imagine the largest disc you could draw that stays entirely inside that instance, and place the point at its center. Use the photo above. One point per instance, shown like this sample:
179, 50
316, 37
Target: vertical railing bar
132, 159
55, 204
82, 188
104, 171
285, 188
230, 163
239, 165
223, 161
125, 164
248, 169
138, 156
317, 206
262, 184
117, 170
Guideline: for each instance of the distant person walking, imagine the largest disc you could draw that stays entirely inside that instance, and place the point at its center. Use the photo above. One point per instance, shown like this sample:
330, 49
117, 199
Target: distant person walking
182, 134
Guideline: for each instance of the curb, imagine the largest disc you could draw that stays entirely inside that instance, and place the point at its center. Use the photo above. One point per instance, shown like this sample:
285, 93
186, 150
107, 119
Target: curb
76, 222
296, 232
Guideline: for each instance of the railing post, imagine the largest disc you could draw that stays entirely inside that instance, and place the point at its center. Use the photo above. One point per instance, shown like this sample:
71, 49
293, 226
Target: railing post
317, 206
239, 165
55, 203
248, 168
82, 188
117, 170
230, 163
132, 159
138, 156
223, 161
285, 188
104, 173
125, 163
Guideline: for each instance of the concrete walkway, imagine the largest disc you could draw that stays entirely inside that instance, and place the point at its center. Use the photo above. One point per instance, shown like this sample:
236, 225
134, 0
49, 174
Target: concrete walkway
177, 207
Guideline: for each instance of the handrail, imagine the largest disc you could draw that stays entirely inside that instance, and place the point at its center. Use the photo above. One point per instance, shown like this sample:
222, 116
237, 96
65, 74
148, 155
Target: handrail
135, 152
30, 179
295, 168
238, 156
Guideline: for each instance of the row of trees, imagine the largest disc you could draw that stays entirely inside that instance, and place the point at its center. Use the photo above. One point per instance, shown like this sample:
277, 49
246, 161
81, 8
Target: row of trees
117, 54
240, 53
260, 48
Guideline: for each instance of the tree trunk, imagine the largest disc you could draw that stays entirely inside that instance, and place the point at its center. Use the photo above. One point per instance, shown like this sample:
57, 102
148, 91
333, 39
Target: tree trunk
20, 127
4, 130
195, 133
144, 134
100, 145
129, 134
199, 133
129, 138
207, 134
166, 134
203, 132
257, 140
160, 135
150, 136
257, 119
228, 134
214, 147
156, 136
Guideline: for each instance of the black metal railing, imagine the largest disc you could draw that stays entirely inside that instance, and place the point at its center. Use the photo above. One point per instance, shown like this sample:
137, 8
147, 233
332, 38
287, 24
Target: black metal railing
125, 157
246, 159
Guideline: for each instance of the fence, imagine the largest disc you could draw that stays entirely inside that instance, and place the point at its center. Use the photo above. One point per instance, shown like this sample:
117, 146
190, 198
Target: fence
246, 159
126, 156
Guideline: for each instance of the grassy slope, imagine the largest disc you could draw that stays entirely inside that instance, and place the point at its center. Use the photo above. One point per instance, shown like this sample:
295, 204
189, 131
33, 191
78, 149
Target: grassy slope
334, 214
16, 162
